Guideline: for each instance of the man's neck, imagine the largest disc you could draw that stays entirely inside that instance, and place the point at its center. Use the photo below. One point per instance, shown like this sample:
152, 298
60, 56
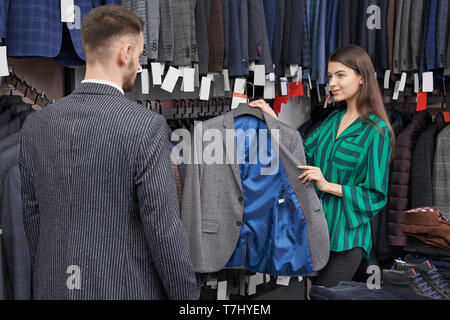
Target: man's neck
100, 74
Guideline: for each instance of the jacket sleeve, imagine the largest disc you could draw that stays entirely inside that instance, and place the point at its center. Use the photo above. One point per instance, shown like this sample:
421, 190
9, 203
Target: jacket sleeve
159, 212
31, 218
363, 201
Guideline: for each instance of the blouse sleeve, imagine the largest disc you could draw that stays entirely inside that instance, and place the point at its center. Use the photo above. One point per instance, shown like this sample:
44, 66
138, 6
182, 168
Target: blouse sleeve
363, 201
310, 146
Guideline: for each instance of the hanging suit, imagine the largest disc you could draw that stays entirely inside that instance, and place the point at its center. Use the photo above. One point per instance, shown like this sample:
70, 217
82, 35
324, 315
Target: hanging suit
221, 201
25, 26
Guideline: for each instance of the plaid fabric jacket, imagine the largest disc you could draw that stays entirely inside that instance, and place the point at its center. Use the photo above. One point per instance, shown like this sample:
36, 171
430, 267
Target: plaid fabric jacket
35, 29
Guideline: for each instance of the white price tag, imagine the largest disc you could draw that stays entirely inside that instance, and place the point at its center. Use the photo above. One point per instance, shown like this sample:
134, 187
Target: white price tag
251, 66
402, 82
387, 76
416, 83
396, 90
283, 280
67, 11
221, 287
427, 82
269, 90
188, 80
284, 86
171, 79
4, 71
293, 68
145, 86
260, 75
299, 75
205, 88
226, 79
238, 93
156, 73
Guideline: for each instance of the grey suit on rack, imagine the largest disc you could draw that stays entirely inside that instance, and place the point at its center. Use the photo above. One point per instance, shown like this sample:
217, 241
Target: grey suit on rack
100, 202
212, 210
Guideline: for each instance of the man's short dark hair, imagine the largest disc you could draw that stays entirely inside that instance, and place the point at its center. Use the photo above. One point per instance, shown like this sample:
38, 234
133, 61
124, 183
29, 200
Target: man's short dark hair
106, 23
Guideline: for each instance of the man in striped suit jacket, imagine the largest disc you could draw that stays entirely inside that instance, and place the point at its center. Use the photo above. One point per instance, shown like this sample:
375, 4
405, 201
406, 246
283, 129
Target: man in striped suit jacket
101, 212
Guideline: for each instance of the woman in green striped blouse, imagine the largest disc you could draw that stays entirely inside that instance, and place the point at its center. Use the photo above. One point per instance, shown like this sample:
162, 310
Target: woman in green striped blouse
348, 160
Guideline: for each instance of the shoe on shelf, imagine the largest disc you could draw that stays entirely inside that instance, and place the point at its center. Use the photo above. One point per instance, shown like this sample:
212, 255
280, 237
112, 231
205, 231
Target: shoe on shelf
409, 280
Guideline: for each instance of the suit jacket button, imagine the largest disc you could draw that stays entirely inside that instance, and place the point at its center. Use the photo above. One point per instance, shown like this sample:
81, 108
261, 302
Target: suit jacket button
241, 199
238, 223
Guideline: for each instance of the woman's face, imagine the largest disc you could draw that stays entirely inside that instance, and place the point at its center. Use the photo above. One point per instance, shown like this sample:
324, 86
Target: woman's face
344, 82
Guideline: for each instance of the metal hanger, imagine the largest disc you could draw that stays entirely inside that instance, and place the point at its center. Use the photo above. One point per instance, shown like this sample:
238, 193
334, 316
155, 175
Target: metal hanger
245, 109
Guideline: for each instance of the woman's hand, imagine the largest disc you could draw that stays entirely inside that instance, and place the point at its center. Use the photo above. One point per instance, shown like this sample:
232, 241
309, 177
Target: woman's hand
313, 174
261, 104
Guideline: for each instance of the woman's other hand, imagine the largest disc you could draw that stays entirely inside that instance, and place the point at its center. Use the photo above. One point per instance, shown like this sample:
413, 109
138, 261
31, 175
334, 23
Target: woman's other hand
315, 175
261, 104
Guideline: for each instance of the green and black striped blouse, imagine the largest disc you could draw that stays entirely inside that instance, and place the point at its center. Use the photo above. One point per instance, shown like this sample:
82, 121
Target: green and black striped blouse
359, 161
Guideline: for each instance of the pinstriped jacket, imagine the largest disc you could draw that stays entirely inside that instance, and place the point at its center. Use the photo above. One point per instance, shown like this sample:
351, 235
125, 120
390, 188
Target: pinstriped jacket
99, 198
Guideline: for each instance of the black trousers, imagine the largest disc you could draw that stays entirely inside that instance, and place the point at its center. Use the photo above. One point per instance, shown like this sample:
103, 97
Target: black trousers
341, 266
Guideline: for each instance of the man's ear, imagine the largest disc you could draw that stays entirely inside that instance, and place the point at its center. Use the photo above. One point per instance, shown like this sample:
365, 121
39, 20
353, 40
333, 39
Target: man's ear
125, 53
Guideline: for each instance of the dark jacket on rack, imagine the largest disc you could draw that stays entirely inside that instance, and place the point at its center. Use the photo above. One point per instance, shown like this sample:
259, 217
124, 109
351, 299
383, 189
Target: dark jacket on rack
17, 254
105, 206
399, 197
422, 165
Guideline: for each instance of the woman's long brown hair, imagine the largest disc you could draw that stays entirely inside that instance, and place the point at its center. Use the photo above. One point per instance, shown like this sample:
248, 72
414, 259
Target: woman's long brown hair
369, 99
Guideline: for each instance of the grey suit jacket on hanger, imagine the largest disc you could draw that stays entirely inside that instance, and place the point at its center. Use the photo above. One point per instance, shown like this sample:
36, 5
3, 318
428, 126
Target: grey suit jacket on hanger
416, 31
396, 60
212, 209
405, 50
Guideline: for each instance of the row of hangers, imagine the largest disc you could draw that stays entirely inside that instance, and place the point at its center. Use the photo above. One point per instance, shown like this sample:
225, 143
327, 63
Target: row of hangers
26, 89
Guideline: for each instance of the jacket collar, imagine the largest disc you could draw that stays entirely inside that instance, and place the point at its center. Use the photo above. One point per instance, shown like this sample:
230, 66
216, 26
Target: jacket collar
98, 89
228, 121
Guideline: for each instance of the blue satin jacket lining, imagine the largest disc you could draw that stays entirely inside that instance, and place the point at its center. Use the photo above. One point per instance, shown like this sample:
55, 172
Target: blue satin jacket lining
273, 237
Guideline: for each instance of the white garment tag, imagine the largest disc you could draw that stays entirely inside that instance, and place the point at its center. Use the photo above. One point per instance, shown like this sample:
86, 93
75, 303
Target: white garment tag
387, 76
309, 81
145, 86
181, 69
226, 80
427, 82
269, 90
300, 278
221, 288
299, 75
171, 79
238, 93
205, 88
402, 82
327, 90
67, 11
284, 86
212, 283
416, 83
293, 68
318, 94
260, 75
283, 280
281, 201
162, 65
4, 71
252, 285
156, 73
251, 66
267, 278
259, 278
188, 80
211, 76
396, 90
272, 76
196, 76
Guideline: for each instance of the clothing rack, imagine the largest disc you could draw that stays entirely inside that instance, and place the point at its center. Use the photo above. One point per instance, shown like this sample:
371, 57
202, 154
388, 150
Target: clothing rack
27, 90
